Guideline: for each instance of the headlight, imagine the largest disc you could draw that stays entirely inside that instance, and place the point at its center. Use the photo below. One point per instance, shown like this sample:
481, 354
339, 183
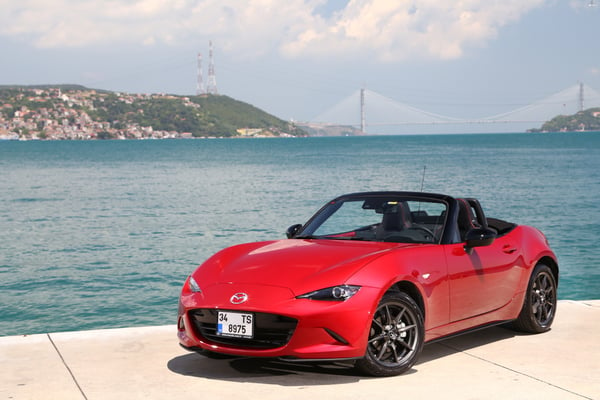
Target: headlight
335, 293
193, 285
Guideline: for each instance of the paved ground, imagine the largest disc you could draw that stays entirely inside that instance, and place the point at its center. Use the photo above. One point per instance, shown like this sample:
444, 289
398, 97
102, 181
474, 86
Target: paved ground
147, 363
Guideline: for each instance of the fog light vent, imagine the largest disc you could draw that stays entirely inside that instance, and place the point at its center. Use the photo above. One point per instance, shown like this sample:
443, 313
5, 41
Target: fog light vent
336, 336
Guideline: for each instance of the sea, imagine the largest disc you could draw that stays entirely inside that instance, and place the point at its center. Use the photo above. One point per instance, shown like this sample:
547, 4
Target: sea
102, 234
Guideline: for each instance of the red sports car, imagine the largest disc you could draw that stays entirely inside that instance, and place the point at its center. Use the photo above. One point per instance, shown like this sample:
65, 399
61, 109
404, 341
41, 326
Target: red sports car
371, 277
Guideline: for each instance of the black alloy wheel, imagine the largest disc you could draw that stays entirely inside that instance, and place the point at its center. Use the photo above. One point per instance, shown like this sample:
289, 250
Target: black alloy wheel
395, 338
539, 306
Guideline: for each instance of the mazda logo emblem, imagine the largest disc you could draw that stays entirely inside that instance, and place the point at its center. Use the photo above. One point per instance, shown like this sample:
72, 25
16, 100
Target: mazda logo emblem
238, 298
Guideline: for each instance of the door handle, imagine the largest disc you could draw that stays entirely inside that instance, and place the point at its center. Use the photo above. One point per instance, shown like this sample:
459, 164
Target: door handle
509, 249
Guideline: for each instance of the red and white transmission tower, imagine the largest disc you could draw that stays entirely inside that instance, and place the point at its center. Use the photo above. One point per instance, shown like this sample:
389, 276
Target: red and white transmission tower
200, 86
211, 85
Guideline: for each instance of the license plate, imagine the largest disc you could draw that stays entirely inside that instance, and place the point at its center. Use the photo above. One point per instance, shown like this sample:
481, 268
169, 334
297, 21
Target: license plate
234, 324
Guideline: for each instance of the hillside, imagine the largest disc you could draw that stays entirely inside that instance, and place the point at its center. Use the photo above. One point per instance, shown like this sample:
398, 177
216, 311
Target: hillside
587, 120
75, 112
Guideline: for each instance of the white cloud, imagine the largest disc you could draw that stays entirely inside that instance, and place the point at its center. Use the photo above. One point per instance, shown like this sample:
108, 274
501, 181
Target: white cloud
386, 30
78, 23
406, 29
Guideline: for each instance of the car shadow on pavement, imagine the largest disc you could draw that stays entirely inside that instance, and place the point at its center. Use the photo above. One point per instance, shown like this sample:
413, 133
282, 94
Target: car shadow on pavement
465, 342
273, 371
263, 370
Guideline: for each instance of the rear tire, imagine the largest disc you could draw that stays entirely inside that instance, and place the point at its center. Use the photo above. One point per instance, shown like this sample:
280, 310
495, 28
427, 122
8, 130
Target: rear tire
395, 338
539, 305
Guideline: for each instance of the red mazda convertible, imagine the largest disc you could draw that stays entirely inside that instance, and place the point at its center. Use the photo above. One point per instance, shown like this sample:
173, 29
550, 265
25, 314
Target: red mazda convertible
371, 277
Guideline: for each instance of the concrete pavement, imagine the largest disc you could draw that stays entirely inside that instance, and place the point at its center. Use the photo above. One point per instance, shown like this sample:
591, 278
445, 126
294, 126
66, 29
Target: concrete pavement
147, 363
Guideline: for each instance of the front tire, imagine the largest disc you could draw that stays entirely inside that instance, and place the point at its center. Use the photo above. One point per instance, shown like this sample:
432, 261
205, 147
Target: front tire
396, 336
539, 306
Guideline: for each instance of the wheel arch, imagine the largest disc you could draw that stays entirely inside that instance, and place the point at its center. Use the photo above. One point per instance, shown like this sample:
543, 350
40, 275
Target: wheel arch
552, 264
410, 289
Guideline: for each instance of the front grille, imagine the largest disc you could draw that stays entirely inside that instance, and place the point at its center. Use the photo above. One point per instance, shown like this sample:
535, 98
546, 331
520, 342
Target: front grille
270, 330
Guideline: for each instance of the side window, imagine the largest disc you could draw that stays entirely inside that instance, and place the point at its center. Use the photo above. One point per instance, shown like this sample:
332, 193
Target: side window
427, 208
428, 214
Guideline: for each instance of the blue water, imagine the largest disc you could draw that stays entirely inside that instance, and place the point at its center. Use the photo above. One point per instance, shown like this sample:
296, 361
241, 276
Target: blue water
101, 234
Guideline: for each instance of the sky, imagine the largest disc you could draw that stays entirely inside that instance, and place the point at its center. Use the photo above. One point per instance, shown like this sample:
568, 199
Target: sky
298, 58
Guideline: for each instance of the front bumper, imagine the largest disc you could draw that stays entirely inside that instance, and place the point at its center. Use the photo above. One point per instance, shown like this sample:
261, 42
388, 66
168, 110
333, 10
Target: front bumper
316, 330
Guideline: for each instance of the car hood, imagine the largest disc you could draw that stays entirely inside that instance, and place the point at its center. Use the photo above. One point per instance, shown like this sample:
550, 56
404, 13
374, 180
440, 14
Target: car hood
297, 264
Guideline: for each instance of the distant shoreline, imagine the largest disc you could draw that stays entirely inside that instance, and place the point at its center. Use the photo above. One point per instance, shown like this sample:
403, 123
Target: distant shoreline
8, 138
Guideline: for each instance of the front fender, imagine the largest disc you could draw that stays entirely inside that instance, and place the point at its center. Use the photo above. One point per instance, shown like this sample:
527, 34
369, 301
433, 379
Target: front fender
420, 270
536, 248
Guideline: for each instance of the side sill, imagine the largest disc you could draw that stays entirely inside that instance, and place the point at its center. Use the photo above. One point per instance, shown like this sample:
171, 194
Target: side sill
470, 330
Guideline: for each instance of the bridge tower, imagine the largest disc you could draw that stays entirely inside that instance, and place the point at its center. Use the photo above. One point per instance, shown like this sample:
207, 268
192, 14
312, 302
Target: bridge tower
581, 98
211, 85
362, 112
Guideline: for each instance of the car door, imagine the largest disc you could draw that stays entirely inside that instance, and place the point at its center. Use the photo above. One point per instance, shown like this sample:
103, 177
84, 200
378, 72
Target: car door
485, 279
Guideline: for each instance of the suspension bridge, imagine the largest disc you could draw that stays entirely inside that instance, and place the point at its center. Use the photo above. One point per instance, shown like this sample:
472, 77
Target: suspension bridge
368, 112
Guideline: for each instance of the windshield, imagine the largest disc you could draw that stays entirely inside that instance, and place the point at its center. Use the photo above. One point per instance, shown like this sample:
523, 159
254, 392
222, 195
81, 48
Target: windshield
389, 219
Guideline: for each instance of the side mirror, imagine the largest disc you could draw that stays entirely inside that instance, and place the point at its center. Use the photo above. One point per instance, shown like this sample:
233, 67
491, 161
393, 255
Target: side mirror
292, 230
479, 237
